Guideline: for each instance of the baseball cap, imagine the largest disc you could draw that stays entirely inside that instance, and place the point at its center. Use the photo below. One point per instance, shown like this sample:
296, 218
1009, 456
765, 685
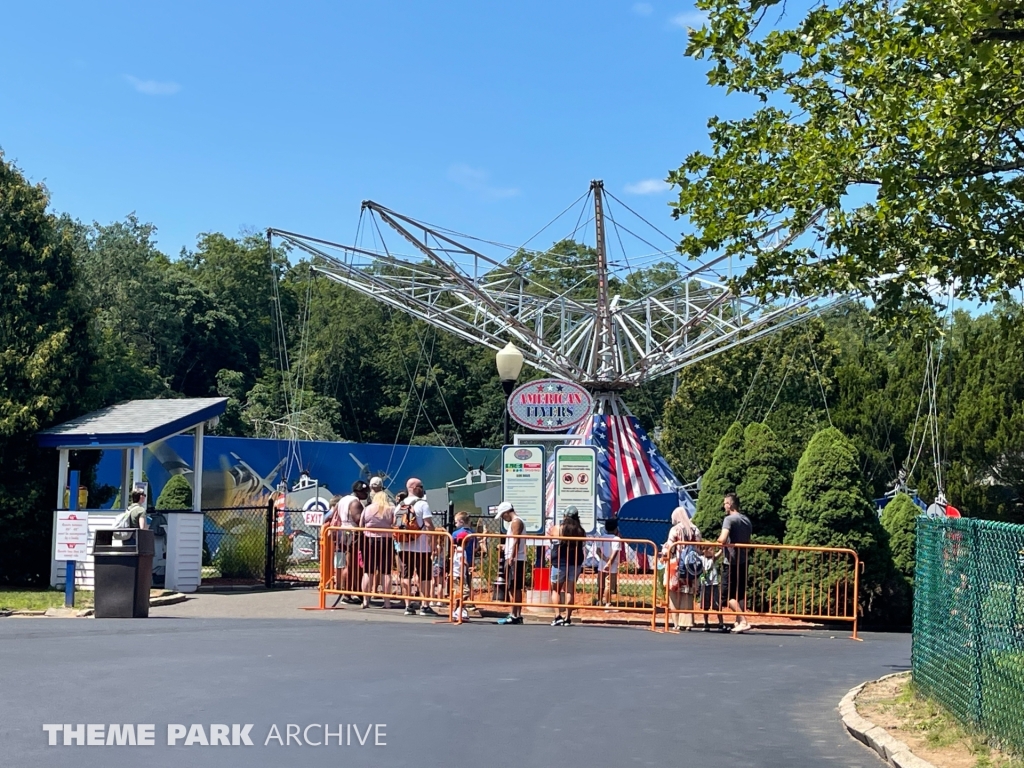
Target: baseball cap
505, 506
376, 482
358, 486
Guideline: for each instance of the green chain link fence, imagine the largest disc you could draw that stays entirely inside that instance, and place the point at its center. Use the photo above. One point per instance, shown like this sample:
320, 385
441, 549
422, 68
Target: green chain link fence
968, 651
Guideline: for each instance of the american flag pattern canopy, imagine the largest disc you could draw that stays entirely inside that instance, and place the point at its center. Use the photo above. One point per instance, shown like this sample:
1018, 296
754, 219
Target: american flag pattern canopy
628, 463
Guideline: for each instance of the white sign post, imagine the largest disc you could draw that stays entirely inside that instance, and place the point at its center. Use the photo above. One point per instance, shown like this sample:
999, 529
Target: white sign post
522, 483
72, 535
576, 483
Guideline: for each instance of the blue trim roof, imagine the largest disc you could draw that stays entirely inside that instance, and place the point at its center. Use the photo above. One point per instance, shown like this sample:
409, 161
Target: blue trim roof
132, 424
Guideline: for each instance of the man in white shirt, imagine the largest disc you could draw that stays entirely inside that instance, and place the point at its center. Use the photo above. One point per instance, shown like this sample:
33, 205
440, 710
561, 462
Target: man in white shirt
342, 512
416, 552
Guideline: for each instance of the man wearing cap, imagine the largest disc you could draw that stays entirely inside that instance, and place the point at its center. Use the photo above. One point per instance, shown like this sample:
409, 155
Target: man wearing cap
515, 560
416, 554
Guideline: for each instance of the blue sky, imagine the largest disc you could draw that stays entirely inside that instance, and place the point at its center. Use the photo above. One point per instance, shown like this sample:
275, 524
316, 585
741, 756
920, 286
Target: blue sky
487, 118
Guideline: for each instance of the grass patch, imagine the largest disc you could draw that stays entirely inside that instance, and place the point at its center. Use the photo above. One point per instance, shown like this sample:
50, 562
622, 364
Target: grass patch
930, 731
40, 599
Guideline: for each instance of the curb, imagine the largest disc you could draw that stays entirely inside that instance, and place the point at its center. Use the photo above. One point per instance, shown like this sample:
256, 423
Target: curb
172, 599
890, 749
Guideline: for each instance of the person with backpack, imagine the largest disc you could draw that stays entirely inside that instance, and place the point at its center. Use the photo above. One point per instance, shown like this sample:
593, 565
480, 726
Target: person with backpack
135, 515
683, 567
567, 553
413, 517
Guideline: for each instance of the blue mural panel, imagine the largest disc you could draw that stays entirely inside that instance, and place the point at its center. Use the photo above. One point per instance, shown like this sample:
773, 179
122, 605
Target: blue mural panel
241, 471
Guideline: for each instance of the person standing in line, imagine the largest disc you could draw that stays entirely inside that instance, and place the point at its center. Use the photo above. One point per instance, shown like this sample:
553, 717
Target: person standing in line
377, 485
736, 529
567, 556
515, 560
609, 545
463, 552
416, 549
710, 588
348, 516
378, 548
680, 584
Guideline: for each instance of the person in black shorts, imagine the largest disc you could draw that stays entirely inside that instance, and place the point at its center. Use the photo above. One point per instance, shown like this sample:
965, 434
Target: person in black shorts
514, 558
736, 529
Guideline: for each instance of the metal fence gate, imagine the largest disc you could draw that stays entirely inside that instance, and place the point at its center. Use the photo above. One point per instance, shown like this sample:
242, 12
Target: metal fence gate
259, 545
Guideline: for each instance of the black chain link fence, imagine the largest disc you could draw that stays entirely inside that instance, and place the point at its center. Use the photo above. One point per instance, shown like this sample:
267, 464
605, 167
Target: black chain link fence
240, 542
968, 651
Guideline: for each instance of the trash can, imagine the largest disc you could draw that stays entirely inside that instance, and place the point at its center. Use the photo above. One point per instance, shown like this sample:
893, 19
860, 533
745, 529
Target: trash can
123, 574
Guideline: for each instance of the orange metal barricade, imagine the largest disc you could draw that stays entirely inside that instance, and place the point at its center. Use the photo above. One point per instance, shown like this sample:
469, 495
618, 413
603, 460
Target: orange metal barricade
364, 563
777, 581
631, 587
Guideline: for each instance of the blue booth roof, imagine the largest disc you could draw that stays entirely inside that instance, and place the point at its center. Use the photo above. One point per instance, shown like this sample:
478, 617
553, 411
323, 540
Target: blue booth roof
133, 424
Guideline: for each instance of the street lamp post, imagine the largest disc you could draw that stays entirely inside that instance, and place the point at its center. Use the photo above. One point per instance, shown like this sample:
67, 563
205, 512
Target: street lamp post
510, 363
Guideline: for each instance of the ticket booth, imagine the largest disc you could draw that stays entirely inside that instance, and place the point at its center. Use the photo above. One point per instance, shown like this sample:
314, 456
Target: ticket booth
130, 428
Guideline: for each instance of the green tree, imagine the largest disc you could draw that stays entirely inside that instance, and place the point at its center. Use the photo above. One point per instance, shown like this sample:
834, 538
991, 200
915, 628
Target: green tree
899, 518
885, 156
764, 483
161, 331
176, 494
44, 357
827, 507
723, 476
784, 381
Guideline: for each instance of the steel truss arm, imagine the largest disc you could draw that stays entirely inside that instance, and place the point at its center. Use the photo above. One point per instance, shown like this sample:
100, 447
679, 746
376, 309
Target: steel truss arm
617, 344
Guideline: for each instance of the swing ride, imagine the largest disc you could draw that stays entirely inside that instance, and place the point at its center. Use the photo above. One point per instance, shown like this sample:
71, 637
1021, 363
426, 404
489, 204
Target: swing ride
608, 328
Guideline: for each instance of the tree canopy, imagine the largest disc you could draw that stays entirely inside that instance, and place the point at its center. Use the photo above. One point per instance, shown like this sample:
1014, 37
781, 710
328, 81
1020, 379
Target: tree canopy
723, 476
899, 518
44, 359
885, 156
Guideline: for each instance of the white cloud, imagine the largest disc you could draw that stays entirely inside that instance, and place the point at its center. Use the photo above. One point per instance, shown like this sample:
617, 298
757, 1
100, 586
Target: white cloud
643, 9
153, 87
689, 19
479, 181
647, 187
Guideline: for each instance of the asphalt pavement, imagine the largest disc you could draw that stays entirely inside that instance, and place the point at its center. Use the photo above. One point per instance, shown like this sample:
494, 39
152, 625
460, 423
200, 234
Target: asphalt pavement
457, 696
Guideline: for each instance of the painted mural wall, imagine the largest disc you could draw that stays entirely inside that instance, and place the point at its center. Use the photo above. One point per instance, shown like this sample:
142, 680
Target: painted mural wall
239, 471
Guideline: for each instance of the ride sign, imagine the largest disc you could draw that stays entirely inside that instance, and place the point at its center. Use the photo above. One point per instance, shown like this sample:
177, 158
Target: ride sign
522, 483
575, 468
72, 535
550, 405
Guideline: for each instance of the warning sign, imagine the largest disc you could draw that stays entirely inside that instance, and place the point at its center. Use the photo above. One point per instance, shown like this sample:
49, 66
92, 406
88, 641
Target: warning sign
72, 535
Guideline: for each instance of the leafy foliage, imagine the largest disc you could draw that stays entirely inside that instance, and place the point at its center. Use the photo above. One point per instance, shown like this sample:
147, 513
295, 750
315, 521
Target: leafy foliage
44, 357
723, 476
750, 463
826, 507
899, 518
765, 482
176, 494
885, 156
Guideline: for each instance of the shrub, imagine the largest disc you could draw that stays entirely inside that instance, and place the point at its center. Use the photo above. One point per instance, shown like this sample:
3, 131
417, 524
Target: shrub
764, 482
176, 494
723, 476
827, 507
899, 518
242, 554
750, 463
